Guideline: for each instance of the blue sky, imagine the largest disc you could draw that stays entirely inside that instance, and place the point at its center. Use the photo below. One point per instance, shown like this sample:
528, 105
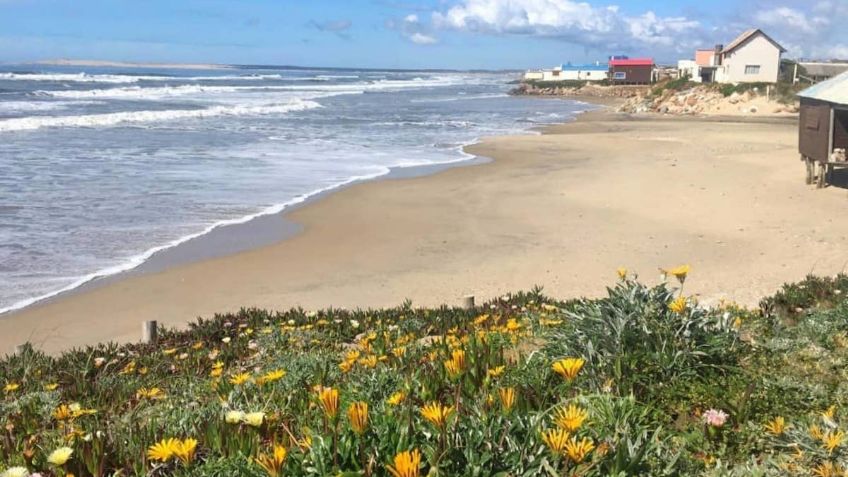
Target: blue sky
405, 33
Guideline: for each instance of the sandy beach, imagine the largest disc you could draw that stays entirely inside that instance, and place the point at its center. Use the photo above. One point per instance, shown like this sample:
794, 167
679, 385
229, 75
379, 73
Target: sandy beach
561, 210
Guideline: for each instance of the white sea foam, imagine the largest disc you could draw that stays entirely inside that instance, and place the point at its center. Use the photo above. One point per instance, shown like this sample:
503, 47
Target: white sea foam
155, 93
131, 117
29, 106
95, 78
461, 98
139, 259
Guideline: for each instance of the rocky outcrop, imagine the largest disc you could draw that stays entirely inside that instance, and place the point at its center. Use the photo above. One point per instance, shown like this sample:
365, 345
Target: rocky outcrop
588, 90
704, 100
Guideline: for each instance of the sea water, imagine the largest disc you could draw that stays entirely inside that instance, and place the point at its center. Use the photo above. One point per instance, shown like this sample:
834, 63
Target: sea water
100, 168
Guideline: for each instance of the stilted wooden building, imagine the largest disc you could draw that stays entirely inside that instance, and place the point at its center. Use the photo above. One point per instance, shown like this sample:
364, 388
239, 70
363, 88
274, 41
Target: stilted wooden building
823, 128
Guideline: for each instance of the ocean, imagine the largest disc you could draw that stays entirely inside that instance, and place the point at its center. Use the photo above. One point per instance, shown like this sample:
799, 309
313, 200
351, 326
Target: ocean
100, 168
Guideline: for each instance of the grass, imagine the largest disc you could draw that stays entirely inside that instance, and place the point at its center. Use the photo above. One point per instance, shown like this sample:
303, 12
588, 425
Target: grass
641, 382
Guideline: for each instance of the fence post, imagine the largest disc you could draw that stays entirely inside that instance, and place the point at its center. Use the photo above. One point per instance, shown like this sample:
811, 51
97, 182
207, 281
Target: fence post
468, 302
149, 332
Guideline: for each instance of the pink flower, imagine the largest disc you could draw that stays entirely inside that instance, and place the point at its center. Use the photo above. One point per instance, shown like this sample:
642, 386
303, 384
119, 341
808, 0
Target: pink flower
714, 417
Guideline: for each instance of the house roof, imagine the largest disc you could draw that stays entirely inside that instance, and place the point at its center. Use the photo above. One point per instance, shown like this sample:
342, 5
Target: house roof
633, 62
825, 69
741, 39
834, 90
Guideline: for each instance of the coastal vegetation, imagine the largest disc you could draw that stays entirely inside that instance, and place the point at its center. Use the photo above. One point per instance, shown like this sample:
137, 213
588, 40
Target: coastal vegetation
644, 381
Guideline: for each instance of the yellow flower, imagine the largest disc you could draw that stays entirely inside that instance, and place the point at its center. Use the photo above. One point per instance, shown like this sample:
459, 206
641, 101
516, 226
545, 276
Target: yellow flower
622, 273
396, 398
60, 456
51, 386
369, 361
62, 413
162, 450
184, 450
833, 439
512, 325
458, 357
570, 418
556, 440
679, 272
436, 413
152, 393
453, 369
169, 352
776, 426
270, 377
357, 412
816, 432
568, 367
406, 464
11, 386
577, 451
254, 419
507, 397
828, 469
329, 399
234, 417
830, 413
399, 352
678, 305
273, 464
239, 379
496, 372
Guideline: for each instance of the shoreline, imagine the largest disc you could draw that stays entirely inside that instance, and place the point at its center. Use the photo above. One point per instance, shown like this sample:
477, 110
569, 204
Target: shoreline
548, 210
262, 228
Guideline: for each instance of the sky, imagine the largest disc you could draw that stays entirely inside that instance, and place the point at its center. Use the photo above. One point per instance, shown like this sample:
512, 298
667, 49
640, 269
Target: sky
460, 34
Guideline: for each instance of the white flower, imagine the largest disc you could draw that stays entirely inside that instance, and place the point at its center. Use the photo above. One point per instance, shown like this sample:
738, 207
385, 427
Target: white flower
311, 314
225, 339
252, 345
354, 324
99, 361
290, 322
16, 472
234, 417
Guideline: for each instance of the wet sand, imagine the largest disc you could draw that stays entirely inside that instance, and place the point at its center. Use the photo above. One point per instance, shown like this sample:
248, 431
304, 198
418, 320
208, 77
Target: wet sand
562, 210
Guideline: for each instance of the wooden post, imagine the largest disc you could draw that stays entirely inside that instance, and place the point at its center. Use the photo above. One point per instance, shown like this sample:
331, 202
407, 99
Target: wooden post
810, 172
822, 175
149, 332
468, 302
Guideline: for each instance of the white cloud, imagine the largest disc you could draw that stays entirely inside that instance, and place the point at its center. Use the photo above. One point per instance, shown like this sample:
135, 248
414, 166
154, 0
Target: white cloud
790, 18
576, 22
411, 28
422, 39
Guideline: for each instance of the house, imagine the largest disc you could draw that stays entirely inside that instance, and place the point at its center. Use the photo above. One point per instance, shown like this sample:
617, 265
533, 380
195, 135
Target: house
823, 125
815, 72
569, 72
595, 72
753, 57
631, 70
534, 75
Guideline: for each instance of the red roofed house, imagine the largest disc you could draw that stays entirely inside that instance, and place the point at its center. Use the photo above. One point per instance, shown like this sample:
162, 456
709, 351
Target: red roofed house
631, 70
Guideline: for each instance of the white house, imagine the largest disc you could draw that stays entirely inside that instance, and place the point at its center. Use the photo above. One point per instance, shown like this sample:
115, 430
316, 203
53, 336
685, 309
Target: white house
753, 57
568, 72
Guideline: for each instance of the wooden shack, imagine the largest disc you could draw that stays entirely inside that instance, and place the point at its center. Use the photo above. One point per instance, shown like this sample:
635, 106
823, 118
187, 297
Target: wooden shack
823, 128
631, 71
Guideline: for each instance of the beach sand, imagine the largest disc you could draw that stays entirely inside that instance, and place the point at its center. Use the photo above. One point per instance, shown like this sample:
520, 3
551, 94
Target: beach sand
561, 210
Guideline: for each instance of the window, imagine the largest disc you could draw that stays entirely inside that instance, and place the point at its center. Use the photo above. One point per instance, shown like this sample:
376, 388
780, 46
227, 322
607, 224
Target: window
619, 75
752, 69
556, 73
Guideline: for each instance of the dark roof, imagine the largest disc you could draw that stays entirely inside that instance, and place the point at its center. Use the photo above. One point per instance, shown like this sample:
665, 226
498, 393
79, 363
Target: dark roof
745, 36
825, 69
